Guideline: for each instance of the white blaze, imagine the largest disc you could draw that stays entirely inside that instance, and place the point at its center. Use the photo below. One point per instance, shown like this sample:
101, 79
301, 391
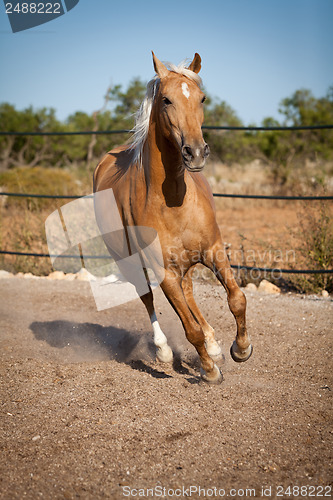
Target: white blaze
185, 90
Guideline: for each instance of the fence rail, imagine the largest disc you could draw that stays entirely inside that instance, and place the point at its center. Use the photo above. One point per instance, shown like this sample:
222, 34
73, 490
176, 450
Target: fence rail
234, 266
204, 127
238, 267
222, 195
219, 195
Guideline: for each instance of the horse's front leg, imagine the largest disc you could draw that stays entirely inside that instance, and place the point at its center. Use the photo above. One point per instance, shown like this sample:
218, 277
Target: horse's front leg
172, 289
216, 259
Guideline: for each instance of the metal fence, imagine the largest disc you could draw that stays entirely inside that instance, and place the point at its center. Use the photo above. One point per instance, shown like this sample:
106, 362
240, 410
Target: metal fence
221, 195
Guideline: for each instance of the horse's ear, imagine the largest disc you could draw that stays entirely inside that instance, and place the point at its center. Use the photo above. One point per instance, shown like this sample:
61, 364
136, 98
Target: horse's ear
159, 67
195, 64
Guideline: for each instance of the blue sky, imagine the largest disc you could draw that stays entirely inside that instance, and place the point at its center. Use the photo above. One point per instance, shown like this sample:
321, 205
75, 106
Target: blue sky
254, 52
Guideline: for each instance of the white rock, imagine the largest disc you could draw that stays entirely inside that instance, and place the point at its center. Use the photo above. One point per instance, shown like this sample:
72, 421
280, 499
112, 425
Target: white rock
70, 276
325, 293
84, 275
28, 276
251, 287
56, 275
6, 274
268, 287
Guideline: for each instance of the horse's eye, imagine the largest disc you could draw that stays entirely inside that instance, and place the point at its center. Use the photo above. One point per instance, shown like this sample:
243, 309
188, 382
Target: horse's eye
203, 99
166, 101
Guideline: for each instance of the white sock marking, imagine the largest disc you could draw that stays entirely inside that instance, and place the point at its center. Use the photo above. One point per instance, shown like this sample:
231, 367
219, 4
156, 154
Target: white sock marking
159, 337
185, 90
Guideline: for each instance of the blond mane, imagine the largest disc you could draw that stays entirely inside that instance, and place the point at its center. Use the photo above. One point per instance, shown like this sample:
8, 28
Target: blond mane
142, 117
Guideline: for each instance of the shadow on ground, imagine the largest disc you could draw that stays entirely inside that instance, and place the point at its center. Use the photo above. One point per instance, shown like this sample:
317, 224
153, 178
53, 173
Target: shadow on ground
91, 341
85, 342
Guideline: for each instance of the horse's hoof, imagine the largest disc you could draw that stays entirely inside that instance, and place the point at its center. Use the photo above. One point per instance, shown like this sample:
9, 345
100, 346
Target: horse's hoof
164, 354
238, 355
214, 351
214, 377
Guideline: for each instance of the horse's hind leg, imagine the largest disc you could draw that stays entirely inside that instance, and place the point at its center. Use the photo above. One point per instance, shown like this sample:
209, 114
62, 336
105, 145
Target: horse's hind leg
213, 348
163, 350
218, 262
134, 276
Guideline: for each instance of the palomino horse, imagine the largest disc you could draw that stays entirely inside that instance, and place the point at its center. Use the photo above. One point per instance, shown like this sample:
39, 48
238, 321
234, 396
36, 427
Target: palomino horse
157, 183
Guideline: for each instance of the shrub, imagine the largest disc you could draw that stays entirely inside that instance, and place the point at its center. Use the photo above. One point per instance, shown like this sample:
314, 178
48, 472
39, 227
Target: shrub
315, 244
38, 180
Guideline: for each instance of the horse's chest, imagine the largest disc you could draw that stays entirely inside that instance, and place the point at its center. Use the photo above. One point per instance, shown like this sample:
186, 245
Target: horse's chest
180, 233
181, 250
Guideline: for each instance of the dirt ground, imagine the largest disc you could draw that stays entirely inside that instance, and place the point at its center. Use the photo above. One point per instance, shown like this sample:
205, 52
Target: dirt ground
88, 413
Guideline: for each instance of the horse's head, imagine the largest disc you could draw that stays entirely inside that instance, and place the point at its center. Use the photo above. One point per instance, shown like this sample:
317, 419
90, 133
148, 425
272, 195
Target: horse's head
180, 114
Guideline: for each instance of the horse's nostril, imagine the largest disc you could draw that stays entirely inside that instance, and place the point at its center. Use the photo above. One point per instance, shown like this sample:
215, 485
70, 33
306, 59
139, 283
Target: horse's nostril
187, 152
206, 150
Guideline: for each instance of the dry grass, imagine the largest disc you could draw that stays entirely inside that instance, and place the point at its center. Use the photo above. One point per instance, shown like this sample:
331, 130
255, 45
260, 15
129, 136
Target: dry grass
261, 233
22, 219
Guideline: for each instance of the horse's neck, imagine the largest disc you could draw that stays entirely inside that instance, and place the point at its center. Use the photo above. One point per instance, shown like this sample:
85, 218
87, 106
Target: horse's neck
163, 166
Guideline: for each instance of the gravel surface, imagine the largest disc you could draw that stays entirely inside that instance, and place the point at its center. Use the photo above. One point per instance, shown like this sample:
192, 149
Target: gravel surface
88, 413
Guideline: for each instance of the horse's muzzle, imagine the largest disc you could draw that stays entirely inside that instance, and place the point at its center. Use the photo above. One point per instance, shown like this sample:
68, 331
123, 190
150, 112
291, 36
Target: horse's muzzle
194, 157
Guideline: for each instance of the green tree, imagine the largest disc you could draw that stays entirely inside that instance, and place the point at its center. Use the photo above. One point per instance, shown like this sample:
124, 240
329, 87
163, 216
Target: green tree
284, 151
26, 150
287, 152
303, 109
228, 146
126, 104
